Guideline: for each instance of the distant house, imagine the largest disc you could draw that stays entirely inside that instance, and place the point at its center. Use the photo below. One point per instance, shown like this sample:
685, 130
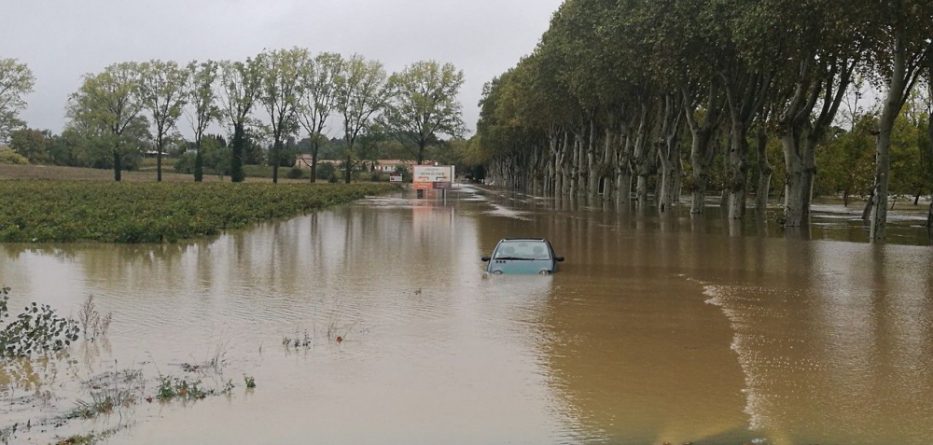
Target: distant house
390, 165
304, 161
381, 165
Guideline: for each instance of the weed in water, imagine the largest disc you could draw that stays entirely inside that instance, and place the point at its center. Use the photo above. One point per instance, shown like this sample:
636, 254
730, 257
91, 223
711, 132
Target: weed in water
171, 388
297, 342
249, 381
166, 389
93, 324
82, 439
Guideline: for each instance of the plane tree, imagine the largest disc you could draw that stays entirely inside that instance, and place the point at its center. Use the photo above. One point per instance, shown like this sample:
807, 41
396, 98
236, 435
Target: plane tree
422, 103
106, 109
162, 91
241, 84
361, 93
16, 81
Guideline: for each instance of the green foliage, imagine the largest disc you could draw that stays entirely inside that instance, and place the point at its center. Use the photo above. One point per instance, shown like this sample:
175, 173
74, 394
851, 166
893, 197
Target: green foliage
152, 213
847, 161
215, 158
171, 388
296, 173
361, 92
105, 113
318, 99
32, 144
241, 83
280, 93
16, 81
37, 330
327, 171
424, 103
163, 91
8, 156
250, 381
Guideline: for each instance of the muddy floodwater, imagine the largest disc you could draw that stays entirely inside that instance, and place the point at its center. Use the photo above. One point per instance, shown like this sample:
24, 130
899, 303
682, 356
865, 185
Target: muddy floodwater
654, 330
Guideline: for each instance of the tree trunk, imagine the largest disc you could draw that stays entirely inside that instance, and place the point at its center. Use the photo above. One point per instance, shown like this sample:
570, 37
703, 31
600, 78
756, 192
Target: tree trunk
879, 215
640, 157
798, 158
869, 206
678, 180
313, 175
892, 102
421, 145
159, 160
701, 179
700, 158
738, 158
276, 147
764, 171
592, 179
117, 166
641, 190
236, 160
198, 165
347, 176
930, 218
669, 152
666, 186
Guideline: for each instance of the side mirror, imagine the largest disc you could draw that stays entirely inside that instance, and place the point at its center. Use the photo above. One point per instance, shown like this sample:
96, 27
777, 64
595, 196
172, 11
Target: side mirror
486, 259
559, 259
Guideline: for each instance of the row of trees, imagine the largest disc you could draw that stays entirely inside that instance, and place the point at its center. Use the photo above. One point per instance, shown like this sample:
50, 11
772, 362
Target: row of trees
275, 95
622, 95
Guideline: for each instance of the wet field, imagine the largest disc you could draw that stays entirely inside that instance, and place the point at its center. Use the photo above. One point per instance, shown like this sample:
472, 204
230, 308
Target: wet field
655, 330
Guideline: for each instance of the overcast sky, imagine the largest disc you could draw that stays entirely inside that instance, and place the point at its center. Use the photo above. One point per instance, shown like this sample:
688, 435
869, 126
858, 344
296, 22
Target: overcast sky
61, 40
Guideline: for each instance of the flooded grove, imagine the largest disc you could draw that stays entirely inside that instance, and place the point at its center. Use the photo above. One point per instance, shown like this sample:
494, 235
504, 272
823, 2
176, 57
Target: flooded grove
655, 330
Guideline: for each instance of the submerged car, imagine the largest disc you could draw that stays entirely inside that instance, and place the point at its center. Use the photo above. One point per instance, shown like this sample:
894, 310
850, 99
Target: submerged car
522, 256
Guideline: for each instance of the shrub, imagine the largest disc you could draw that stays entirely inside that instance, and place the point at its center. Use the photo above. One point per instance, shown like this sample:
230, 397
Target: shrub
8, 156
326, 171
296, 173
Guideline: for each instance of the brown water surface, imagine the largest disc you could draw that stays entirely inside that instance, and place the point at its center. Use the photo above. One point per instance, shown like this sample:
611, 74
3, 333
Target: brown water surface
655, 329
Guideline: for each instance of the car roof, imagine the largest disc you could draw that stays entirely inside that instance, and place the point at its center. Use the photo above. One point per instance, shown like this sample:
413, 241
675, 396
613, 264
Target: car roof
524, 239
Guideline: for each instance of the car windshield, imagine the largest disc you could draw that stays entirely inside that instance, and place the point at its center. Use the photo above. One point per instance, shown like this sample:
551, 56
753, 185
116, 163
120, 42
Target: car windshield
523, 250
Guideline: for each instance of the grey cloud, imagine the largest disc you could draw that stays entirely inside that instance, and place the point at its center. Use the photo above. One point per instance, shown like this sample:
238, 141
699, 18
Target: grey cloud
63, 39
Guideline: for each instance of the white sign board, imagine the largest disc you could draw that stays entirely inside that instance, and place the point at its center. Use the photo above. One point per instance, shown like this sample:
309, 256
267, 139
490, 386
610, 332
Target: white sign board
395, 178
431, 173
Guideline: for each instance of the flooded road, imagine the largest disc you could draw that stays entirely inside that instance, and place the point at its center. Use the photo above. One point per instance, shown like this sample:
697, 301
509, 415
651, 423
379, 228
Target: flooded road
655, 330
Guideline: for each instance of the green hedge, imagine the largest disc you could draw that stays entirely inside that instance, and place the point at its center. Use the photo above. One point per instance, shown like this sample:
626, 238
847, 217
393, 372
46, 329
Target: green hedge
60, 211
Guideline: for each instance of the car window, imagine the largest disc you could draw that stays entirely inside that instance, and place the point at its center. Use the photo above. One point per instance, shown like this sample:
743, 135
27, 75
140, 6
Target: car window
530, 250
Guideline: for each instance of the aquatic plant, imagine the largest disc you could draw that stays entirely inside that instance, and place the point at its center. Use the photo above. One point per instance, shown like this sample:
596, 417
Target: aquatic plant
78, 439
38, 329
215, 363
109, 391
175, 387
297, 342
249, 381
93, 325
68, 211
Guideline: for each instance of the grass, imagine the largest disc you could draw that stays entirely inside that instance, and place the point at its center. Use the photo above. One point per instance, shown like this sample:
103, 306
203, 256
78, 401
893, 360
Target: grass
70, 211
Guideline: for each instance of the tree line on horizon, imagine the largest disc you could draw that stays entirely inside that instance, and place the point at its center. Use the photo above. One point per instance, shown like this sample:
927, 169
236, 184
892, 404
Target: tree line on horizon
623, 97
274, 96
